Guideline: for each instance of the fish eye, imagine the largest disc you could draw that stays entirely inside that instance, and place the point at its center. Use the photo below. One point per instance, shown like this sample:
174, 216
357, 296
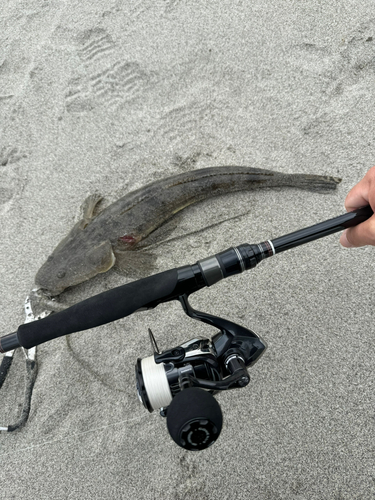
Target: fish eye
61, 274
50, 258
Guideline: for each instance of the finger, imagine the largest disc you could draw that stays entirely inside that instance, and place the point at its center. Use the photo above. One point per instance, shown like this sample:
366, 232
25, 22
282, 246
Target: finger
358, 196
361, 235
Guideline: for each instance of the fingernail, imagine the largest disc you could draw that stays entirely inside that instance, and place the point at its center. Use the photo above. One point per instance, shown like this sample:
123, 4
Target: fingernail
344, 241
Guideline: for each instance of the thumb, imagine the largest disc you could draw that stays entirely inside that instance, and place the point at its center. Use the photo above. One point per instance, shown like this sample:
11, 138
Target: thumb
344, 240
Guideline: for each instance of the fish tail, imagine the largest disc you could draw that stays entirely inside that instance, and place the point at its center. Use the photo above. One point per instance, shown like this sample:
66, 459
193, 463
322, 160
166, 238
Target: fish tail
310, 182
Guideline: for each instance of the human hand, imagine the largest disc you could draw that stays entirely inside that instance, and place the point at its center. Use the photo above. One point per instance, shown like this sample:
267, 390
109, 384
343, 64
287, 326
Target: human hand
361, 195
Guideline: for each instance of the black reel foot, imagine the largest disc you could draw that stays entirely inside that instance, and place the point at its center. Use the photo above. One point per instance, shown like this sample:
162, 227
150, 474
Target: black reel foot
194, 419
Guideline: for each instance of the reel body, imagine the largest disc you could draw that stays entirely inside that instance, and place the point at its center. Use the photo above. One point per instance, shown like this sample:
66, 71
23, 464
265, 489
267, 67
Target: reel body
181, 382
160, 376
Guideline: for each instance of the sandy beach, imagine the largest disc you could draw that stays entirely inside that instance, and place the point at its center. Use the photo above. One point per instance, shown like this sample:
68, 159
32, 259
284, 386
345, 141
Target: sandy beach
109, 96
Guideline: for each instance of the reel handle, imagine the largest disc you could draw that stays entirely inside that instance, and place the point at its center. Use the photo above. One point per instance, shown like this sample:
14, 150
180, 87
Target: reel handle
194, 419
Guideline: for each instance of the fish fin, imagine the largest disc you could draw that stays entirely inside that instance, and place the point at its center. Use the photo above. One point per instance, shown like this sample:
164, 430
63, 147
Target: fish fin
89, 207
161, 233
134, 263
101, 258
198, 231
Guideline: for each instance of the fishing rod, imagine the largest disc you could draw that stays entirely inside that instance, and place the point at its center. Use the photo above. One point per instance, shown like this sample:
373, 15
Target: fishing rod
181, 381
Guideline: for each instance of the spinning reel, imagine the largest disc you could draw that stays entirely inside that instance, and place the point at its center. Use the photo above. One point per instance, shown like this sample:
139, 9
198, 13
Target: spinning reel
181, 381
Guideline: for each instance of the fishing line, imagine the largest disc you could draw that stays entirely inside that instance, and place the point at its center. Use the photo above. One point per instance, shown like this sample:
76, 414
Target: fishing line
74, 435
88, 368
156, 383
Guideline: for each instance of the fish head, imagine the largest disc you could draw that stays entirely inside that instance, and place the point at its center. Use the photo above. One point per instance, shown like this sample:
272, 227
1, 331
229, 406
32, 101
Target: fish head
72, 262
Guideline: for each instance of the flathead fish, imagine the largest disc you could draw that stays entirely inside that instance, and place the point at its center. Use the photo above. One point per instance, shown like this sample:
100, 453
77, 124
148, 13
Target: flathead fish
98, 242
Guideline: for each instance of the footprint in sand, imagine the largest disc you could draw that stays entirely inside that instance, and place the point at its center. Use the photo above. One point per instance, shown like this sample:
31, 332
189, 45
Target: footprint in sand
339, 70
184, 123
171, 5
10, 155
359, 56
10, 181
105, 79
344, 75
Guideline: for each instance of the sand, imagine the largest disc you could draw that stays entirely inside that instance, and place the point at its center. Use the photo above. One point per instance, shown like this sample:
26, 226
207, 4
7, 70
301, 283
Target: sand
107, 96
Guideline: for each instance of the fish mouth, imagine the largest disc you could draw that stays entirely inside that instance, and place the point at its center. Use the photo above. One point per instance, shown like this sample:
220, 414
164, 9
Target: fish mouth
46, 291
55, 293
42, 301
41, 285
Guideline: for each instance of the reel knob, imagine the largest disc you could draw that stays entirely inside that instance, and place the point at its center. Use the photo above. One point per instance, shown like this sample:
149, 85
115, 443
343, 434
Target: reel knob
194, 419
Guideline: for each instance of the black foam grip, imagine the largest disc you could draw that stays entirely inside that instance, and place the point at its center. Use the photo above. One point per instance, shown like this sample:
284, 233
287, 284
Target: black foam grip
100, 309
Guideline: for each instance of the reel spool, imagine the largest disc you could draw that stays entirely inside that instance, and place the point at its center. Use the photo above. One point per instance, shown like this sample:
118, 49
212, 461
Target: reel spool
181, 382
152, 384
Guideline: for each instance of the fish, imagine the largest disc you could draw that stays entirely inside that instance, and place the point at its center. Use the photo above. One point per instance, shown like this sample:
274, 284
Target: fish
100, 241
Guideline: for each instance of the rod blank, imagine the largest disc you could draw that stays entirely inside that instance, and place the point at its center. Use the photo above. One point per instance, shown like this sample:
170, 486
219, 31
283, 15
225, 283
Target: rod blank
325, 228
